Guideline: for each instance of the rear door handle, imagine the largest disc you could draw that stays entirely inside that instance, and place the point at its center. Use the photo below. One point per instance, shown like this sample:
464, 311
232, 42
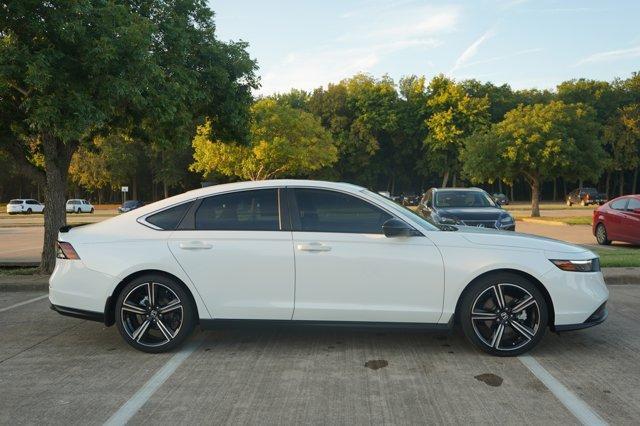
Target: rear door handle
313, 247
195, 245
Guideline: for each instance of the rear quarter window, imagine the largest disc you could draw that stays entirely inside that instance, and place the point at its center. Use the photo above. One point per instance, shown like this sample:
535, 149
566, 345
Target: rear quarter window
169, 219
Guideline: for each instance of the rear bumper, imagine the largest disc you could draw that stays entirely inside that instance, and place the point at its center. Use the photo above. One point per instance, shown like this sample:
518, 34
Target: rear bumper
598, 317
78, 313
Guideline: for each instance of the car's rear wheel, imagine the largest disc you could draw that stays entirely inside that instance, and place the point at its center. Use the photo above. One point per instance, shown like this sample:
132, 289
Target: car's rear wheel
91, 211
503, 314
78, 211
601, 235
154, 314
29, 211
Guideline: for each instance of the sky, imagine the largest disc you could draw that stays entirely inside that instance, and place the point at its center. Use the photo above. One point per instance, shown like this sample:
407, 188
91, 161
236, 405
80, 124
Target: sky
305, 44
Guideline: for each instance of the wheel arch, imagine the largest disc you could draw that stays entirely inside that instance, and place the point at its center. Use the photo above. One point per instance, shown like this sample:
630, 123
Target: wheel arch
534, 281
110, 305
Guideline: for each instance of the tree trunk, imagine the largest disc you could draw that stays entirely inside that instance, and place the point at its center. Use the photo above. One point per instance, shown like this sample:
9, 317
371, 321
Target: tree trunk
621, 182
580, 183
134, 188
500, 186
535, 198
607, 184
165, 188
511, 189
635, 181
555, 189
454, 180
57, 157
445, 179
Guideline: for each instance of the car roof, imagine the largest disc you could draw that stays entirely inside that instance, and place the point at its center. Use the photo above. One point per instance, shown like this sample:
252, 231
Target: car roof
460, 189
271, 183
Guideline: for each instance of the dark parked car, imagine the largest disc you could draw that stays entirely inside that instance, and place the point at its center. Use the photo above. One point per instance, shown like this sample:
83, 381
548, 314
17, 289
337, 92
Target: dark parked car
501, 198
127, 206
586, 196
411, 200
618, 220
464, 206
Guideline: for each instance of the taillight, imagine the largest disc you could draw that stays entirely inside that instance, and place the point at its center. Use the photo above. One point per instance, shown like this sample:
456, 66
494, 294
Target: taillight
66, 251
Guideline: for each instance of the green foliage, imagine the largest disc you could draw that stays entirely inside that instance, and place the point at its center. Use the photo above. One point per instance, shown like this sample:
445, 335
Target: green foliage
622, 133
283, 141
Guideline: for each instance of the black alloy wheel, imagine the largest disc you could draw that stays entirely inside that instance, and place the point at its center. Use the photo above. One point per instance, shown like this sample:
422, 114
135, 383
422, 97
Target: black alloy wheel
154, 314
504, 314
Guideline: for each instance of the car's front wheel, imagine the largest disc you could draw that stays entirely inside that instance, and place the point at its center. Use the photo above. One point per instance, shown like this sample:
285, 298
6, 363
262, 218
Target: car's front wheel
503, 314
601, 235
154, 313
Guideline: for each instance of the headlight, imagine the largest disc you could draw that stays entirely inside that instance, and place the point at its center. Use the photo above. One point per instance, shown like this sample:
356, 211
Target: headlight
592, 265
446, 220
506, 219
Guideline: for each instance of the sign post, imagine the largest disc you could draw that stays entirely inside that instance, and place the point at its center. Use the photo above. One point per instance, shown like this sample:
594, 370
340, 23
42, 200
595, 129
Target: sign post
125, 189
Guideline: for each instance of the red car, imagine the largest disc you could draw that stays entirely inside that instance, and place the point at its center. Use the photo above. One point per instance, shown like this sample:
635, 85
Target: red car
618, 220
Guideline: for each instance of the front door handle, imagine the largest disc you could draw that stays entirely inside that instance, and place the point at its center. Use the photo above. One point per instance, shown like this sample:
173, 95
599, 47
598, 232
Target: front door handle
195, 245
313, 247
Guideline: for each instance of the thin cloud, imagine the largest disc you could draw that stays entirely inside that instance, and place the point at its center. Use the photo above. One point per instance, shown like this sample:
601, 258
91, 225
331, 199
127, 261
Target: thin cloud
500, 58
472, 50
611, 55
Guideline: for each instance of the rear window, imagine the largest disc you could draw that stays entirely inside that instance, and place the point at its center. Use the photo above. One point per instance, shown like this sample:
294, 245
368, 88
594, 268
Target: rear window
15, 202
170, 218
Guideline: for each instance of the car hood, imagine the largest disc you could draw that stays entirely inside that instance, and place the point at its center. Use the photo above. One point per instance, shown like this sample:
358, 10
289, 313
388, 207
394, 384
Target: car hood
498, 238
471, 213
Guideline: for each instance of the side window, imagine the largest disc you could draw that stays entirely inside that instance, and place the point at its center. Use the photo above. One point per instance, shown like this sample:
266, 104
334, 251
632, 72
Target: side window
633, 204
240, 211
619, 204
169, 219
329, 211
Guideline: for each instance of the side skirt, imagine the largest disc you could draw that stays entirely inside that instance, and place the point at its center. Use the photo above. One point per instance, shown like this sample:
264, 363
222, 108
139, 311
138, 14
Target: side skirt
216, 324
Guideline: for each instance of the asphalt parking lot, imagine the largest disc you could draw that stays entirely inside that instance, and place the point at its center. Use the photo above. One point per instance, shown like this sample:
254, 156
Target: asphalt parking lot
55, 370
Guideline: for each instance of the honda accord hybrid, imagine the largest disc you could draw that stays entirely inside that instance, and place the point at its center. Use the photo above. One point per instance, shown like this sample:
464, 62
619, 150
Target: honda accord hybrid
305, 252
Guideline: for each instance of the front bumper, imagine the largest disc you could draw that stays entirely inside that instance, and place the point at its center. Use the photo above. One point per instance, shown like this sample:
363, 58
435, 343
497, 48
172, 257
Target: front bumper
598, 317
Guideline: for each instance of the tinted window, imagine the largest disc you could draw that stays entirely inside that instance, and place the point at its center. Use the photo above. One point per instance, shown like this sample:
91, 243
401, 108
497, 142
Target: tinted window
463, 199
619, 204
240, 211
633, 204
170, 218
15, 202
32, 202
328, 211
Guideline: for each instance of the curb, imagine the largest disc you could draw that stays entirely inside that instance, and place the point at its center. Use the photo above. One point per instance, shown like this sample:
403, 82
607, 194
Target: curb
543, 222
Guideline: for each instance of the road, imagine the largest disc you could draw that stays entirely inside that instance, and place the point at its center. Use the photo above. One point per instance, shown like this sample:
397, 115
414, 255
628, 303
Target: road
57, 370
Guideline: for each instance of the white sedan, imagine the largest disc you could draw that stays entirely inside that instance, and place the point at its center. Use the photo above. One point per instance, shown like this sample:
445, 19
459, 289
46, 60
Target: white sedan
291, 252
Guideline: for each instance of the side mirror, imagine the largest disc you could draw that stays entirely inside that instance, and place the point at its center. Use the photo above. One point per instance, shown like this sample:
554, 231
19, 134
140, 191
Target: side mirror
398, 228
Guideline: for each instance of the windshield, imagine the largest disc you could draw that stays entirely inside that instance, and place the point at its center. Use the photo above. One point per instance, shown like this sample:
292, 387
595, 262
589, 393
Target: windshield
130, 203
447, 199
392, 205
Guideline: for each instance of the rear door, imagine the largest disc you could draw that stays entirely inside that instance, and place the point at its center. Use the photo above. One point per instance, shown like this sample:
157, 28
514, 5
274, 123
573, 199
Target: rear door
347, 270
238, 255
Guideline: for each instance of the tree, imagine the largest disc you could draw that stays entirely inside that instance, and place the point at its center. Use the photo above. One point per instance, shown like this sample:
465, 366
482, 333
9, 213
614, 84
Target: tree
453, 115
536, 142
622, 133
284, 141
72, 70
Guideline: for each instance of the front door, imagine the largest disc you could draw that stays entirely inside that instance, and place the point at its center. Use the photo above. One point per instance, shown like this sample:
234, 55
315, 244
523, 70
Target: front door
347, 270
238, 256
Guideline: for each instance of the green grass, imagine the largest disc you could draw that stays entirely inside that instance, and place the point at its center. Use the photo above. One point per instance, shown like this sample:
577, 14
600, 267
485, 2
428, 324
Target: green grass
616, 256
547, 206
12, 272
569, 220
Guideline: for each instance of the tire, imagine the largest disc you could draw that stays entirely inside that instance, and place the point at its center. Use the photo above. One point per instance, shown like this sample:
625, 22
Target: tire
601, 235
29, 211
91, 211
78, 211
146, 327
503, 331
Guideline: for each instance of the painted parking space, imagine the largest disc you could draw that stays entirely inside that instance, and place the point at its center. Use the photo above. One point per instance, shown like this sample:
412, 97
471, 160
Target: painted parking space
58, 369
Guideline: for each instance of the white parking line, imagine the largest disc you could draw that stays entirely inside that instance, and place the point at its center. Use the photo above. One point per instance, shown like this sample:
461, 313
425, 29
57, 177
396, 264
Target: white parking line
35, 299
135, 403
572, 402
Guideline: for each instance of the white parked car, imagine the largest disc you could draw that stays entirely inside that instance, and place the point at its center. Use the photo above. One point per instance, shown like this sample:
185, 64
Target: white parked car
77, 205
25, 206
293, 251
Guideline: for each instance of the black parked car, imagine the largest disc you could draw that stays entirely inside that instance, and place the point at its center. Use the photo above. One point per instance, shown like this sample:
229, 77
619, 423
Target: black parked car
464, 206
501, 199
586, 196
127, 206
